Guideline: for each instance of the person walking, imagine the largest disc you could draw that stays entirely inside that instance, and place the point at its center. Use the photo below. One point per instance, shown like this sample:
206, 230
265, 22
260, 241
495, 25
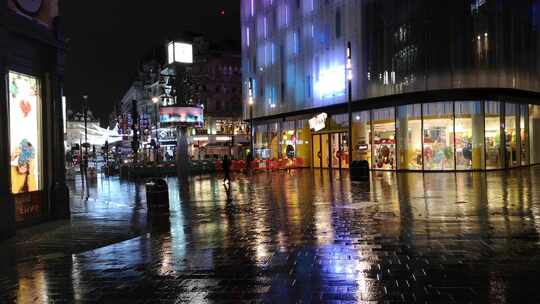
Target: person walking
226, 165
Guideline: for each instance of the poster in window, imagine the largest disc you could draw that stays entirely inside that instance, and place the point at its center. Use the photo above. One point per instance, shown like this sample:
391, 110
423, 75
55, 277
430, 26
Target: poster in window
24, 131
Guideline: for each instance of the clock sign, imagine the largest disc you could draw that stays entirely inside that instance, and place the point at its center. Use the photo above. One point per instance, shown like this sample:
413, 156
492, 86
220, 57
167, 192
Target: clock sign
29, 7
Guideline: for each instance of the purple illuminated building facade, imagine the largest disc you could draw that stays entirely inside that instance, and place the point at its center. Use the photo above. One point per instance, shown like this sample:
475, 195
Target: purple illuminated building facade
436, 86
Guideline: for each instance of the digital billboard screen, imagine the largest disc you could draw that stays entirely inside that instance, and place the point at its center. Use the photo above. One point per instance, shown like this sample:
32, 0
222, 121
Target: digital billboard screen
181, 116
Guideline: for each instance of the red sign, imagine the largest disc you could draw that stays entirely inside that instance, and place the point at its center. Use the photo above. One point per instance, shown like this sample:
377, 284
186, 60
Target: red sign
28, 206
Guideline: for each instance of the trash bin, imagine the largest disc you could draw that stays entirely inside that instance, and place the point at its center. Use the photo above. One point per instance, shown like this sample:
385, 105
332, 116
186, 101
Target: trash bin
360, 170
157, 197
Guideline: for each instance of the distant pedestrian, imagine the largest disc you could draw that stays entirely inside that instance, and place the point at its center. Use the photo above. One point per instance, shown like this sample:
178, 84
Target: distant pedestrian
249, 160
226, 165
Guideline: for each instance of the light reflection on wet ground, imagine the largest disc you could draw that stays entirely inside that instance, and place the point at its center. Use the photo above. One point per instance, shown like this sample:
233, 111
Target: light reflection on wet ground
309, 237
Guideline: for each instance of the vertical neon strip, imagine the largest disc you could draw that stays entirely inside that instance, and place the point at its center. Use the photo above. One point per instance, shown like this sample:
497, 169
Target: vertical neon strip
286, 15
273, 53
247, 36
312, 31
295, 43
265, 28
252, 8
312, 5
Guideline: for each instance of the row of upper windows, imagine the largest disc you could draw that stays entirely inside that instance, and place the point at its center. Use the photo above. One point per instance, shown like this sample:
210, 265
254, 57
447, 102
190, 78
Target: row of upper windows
251, 7
309, 31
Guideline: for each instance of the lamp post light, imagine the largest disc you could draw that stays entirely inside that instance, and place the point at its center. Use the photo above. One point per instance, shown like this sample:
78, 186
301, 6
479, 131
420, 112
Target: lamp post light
349, 103
250, 103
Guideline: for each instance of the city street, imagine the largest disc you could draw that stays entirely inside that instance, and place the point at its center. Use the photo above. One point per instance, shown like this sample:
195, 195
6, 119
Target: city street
298, 237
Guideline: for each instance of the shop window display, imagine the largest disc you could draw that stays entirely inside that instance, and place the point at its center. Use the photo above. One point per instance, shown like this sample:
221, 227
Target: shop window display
524, 134
288, 140
534, 133
261, 142
511, 131
273, 140
409, 137
361, 130
303, 144
384, 143
494, 155
469, 135
438, 136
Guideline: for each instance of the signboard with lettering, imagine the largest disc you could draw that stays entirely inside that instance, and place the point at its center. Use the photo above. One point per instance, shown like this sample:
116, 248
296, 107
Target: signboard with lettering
318, 122
28, 206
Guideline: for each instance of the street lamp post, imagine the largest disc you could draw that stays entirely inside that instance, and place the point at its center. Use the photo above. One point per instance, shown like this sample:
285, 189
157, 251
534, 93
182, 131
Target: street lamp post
250, 103
349, 103
155, 100
84, 159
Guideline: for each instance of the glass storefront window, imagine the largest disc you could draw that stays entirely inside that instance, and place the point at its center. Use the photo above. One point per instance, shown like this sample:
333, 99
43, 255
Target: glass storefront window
494, 155
524, 134
469, 135
288, 140
261, 142
409, 137
384, 143
361, 130
511, 131
534, 133
340, 121
303, 143
438, 136
273, 140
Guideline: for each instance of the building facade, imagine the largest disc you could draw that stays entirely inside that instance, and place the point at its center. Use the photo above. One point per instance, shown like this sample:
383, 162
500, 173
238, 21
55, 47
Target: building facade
213, 81
436, 86
32, 52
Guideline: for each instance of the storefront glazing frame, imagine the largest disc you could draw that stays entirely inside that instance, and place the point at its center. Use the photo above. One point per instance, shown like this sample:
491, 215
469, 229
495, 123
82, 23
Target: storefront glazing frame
522, 108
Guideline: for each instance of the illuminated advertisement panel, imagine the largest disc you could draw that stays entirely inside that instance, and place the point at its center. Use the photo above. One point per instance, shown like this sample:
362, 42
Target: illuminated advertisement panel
24, 133
25, 145
181, 116
180, 52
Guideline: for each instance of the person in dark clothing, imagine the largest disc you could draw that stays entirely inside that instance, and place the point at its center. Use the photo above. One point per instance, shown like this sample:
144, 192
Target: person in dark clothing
226, 164
249, 159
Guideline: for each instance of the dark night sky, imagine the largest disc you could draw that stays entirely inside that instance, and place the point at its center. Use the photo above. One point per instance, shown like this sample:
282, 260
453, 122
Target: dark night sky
108, 37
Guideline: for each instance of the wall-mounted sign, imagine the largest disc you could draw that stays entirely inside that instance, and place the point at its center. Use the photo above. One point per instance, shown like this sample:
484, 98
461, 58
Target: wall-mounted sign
181, 116
318, 122
178, 52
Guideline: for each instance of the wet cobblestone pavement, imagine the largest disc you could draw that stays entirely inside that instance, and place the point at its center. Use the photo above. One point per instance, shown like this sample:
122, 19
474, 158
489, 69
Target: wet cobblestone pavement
311, 237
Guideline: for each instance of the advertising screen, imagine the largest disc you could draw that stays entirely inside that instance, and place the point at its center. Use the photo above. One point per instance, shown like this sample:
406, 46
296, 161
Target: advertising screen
181, 116
25, 133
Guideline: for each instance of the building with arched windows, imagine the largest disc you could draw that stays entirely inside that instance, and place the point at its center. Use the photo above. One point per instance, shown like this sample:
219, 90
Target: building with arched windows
436, 85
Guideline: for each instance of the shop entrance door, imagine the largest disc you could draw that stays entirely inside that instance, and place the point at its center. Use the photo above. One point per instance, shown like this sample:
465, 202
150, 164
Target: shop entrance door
330, 151
340, 151
316, 150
